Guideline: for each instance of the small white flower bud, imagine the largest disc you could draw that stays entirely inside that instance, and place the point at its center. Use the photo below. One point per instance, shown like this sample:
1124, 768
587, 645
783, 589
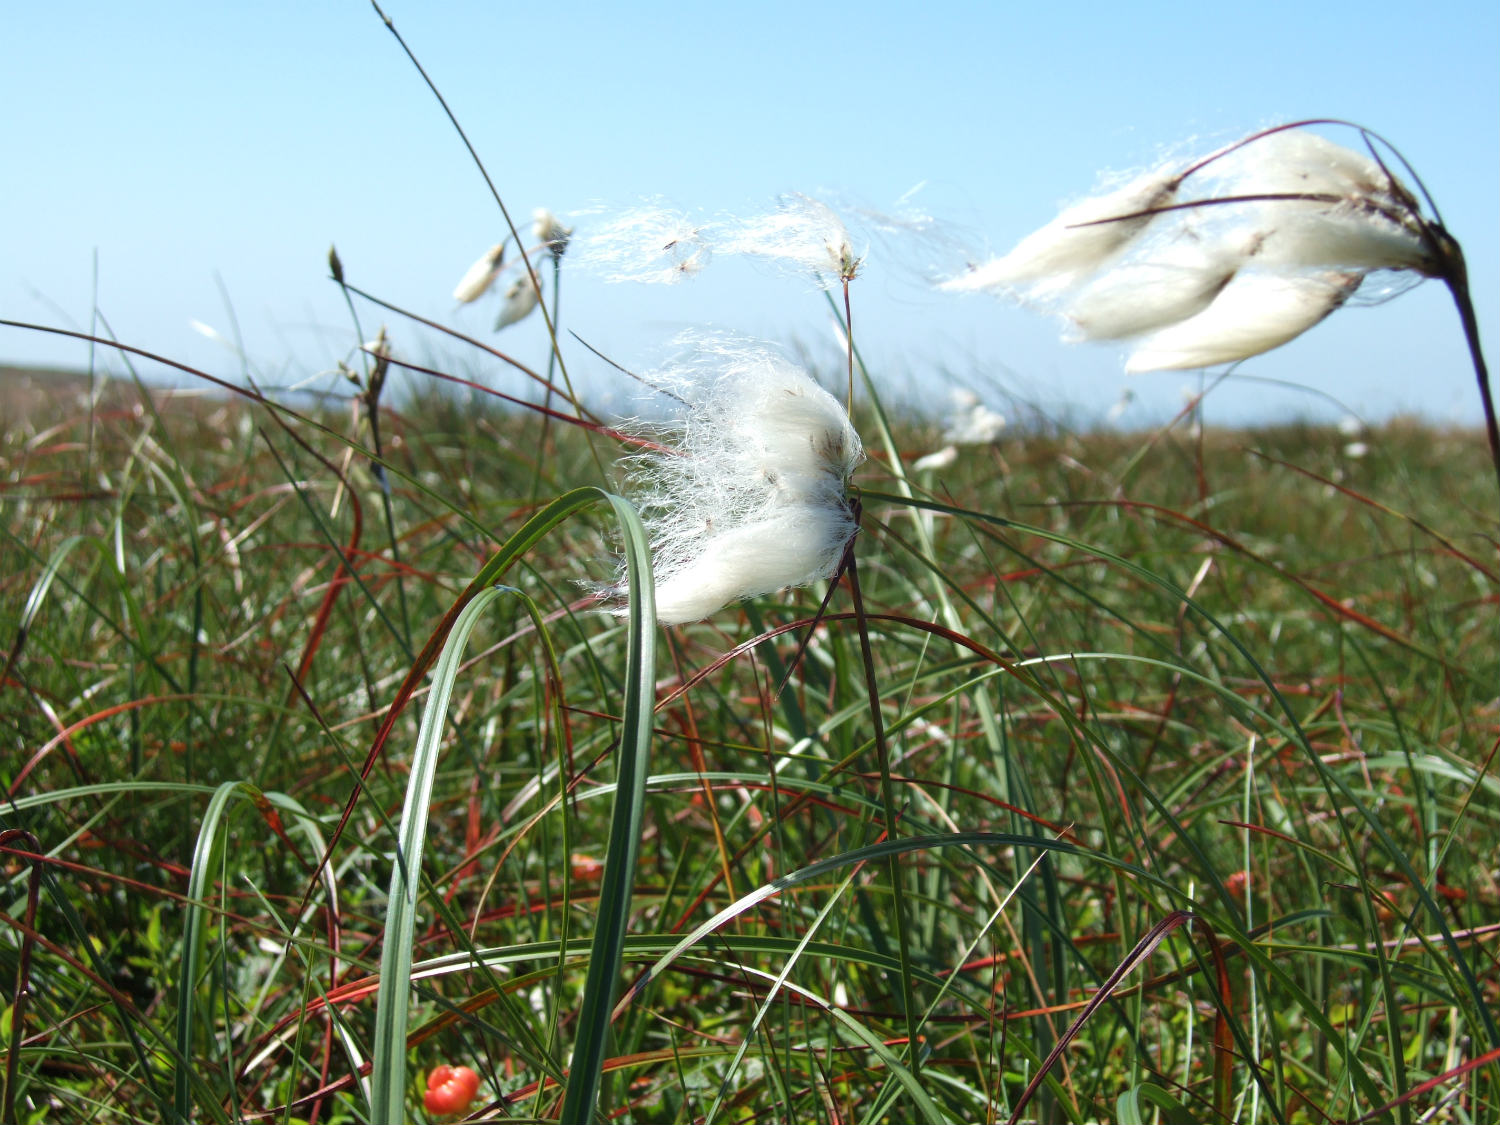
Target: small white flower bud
481, 275
550, 231
521, 300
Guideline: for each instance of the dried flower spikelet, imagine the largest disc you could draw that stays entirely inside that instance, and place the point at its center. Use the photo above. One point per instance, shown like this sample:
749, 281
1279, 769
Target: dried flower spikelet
550, 231
1081, 239
1254, 313
521, 300
654, 244
752, 499
805, 232
481, 275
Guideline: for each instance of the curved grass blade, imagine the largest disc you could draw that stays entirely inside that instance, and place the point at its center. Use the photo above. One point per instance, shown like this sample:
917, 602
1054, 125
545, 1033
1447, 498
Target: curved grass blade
617, 883
388, 1074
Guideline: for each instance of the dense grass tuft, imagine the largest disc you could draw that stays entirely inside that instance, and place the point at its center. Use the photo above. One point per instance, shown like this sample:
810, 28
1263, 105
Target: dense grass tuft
1182, 776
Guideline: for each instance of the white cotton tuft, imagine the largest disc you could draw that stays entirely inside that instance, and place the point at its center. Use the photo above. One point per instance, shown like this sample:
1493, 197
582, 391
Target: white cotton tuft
1076, 242
1247, 248
1348, 236
480, 276
1296, 161
655, 244
793, 547
1255, 313
521, 300
1158, 290
752, 498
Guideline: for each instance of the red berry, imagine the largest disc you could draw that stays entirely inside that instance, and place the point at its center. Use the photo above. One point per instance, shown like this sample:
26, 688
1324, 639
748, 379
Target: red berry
450, 1089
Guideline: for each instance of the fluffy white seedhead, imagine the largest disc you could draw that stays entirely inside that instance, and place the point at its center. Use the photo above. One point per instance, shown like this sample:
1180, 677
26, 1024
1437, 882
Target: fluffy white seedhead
1348, 236
1297, 161
1158, 289
788, 548
1258, 242
481, 275
654, 243
802, 231
1077, 242
751, 500
521, 300
550, 231
1254, 313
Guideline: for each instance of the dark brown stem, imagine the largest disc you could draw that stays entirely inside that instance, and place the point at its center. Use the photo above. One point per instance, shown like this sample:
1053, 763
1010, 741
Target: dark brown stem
1458, 285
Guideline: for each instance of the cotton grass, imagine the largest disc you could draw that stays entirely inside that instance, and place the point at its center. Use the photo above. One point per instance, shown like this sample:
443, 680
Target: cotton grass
1222, 258
750, 498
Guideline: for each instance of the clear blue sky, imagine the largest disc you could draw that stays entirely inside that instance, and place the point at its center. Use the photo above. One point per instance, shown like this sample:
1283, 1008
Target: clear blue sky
181, 141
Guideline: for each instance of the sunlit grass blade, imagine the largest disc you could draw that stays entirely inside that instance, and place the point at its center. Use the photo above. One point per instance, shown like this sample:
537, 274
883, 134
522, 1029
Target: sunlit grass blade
591, 1043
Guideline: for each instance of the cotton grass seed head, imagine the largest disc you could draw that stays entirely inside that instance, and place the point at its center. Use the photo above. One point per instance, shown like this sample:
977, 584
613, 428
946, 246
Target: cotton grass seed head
750, 500
521, 300
550, 232
1226, 257
1075, 243
481, 275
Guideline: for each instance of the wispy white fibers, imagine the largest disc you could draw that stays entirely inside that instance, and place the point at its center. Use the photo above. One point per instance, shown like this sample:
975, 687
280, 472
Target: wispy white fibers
481, 275
751, 497
521, 300
803, 231
1077, 241
1253, 314
651, 243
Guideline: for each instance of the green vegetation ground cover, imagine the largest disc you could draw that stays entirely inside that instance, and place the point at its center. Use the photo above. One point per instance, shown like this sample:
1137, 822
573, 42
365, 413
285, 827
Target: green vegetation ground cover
1230, 694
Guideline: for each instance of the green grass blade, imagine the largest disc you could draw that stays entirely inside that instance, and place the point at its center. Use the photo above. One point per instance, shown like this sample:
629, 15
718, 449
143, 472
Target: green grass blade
591, 1046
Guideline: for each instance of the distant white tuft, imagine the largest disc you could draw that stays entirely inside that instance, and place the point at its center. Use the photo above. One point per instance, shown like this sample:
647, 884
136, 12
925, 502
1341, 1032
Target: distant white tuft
481, 275
972, 422
521, 300
937, 459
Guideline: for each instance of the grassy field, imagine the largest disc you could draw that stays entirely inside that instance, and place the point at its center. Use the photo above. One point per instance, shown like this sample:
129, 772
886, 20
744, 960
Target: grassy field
1178, 803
